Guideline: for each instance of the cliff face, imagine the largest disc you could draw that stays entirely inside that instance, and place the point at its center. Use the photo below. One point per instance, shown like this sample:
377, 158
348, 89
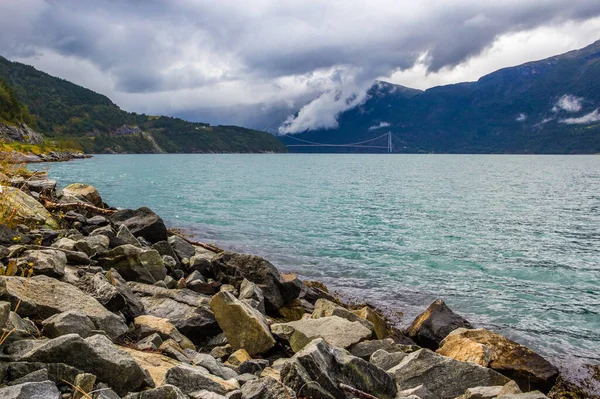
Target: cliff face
19, 133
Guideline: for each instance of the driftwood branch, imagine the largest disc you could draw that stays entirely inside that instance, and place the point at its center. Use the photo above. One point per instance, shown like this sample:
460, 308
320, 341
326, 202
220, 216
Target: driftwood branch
71, 206
356, 392
197, 243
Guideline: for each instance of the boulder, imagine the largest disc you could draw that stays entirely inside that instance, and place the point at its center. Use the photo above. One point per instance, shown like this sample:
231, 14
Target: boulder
481, 393
182, 248
192, 378
96, 355
46, 262
45, 296
214, 366
31, 390
365, 349
252, 295
125, 235
24, 209
83, 192
238, 357
155, 364
135, 264
325, 308
98, 287
163, 392
70, 322
318, 370
188, 311
151, 342
232, 268
381, 328
64, 243
253, 366
4, 313
294, 310
93, 245
267, 388
333, 329
386, 360
147, 325
165, 249
40, 375
444, 377
488, 349
434, 324
133, 306
142, 222
73, 257
245, 327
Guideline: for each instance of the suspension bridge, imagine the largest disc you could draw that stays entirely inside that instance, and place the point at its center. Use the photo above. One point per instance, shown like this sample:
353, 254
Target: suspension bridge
361, 144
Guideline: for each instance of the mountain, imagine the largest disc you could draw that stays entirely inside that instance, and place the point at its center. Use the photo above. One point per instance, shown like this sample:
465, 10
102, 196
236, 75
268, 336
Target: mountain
547, 106
66, 111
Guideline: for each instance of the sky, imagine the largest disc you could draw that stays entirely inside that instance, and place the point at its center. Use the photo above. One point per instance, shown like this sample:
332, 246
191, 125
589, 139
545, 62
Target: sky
281, 65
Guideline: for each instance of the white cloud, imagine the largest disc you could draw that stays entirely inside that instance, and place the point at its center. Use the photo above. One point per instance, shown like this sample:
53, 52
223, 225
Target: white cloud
521, 118
592, 117
381, 125
568, 103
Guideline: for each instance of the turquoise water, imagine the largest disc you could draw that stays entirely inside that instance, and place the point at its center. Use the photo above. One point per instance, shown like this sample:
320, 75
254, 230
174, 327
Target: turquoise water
511, 242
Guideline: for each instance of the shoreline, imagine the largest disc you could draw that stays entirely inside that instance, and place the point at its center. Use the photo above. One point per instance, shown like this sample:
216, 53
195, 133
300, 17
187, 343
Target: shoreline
144, 224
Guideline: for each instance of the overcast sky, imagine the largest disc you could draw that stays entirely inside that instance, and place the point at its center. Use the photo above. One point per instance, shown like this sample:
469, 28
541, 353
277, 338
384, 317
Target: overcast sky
252, 62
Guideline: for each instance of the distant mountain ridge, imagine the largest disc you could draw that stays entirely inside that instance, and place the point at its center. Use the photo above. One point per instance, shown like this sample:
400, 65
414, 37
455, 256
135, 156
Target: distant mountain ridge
547, 106
64, 110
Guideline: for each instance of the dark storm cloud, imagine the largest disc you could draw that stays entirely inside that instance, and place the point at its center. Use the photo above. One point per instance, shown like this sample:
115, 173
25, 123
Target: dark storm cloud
327, 47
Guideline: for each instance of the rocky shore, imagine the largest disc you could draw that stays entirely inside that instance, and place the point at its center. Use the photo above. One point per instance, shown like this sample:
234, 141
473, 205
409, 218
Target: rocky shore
102, 303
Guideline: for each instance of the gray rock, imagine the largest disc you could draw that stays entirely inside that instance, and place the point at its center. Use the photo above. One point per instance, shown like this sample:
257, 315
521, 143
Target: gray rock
69, 322
133, 306
386, 360
93, 245
125, 235
146, 325
4, 313
64, 243
528, 395
162, 392
325, 308
182, 248
45, 297
251, 294
40, 375
135, 264
103, 391
335, 330
170, 263
85, 384
195, 276
188, 311
97, 221
444, 377
232, 268
318, 370
434, 324
96, 355
142, 222
73, 257
267, 388
481, 393
244, 378
56, 372
165, 249
419, 392
254, 366
255, 336
192, 378
204, 394
365, 349
170, 282
151, 342
22, 328
46, 262
172, 349
31, 390
213, 365
98, 287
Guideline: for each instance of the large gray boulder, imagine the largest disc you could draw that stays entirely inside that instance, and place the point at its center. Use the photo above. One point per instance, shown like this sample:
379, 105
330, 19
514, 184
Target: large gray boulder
214, 366
188, 311
333, 329
444, 377
96, 355
434, 324
365, 349
181, 247
325, 308
45, 296
142, 222
135, 264
386, 360
245, 327
267, 388
98, 287
31, 390
133, 306
318, 370
232, 268
252, 295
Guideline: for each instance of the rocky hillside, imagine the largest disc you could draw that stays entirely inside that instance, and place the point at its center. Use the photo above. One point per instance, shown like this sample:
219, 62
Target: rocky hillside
66, 111
105, 303
547, 106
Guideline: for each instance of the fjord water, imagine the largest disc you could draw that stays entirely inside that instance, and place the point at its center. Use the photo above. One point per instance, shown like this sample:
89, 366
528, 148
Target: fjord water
510, 242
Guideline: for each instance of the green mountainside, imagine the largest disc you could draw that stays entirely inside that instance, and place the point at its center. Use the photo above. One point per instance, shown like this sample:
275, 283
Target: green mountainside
548, 106
66, 111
